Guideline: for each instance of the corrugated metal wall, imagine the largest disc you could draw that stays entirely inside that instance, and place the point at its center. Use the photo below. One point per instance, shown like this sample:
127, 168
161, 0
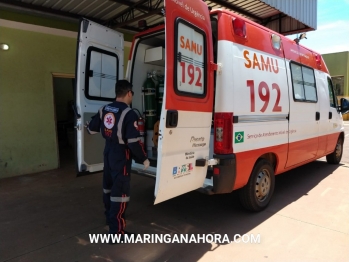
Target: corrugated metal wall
304, 11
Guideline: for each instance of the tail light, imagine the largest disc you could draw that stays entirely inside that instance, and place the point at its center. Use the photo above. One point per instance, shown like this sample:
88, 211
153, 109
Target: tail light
223, 133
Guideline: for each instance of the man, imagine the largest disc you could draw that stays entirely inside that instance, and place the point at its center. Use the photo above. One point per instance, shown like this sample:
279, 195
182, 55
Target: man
118, 125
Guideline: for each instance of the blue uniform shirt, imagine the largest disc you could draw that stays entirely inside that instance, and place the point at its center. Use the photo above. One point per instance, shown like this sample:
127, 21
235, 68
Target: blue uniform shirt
118, 125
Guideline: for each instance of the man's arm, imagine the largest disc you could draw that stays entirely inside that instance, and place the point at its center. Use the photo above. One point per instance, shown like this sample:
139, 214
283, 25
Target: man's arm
133, 138
94, 126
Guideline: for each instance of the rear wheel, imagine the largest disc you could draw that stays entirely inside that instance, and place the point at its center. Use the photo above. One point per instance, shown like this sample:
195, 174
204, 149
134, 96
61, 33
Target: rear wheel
336, 156
256, 195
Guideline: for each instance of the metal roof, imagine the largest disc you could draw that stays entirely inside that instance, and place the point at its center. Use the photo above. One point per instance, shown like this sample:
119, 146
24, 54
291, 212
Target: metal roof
285, 17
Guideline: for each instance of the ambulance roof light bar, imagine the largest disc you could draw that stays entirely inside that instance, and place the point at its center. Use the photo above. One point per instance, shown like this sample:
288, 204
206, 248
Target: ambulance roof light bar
239, 27
276, 41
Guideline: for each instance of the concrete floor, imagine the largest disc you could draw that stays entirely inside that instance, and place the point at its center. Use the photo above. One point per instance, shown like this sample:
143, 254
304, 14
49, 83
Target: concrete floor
48, 216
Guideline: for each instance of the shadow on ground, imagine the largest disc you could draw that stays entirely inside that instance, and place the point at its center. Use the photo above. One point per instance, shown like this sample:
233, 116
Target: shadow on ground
48, 216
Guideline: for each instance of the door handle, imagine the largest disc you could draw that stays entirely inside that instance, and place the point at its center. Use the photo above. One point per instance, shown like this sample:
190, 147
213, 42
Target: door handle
330, 115
317, 116
171, 118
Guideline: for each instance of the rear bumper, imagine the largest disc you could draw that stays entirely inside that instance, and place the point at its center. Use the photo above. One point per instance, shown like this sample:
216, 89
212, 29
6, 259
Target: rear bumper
224, 180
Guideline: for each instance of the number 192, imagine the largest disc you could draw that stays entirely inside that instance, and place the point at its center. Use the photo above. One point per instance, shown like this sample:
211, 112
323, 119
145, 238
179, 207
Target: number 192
264, 95
191, 73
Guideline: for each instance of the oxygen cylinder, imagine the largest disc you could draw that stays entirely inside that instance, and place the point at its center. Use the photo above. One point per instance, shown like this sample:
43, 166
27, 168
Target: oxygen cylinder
160, 94
149, 102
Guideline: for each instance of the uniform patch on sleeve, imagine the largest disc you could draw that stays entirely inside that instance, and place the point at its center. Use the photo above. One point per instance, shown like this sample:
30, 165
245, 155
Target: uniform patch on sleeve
109, 120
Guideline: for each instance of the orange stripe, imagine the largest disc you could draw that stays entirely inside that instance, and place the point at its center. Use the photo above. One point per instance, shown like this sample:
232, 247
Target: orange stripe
117, 217
123, 207
140, 142
123, 220
297, 156
127, 158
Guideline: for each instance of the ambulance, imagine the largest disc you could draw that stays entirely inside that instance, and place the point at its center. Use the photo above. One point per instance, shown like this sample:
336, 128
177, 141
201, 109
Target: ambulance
226, 104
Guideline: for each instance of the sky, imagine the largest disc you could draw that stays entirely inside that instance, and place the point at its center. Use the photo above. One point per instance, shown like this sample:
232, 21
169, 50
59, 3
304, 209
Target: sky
332, 33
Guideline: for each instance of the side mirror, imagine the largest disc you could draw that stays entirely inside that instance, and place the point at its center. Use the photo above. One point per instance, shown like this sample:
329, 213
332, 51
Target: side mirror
344, 106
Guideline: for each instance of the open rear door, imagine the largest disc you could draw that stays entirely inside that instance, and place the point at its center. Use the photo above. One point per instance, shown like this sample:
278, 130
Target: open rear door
186, 116
100, 56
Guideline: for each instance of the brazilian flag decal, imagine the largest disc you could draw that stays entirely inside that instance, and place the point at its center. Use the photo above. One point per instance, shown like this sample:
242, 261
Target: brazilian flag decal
239, 137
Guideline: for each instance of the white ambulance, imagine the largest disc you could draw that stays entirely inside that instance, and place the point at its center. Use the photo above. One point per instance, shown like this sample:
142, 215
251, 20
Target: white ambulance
239, 103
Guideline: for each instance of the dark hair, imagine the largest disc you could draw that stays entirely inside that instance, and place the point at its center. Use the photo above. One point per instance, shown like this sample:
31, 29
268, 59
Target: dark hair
122, 87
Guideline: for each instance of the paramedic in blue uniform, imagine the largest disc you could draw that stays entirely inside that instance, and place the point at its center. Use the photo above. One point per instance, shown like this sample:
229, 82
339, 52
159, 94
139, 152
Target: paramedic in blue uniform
118, 124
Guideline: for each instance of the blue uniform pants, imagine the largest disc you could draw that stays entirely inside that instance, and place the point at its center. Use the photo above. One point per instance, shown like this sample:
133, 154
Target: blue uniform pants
116, 186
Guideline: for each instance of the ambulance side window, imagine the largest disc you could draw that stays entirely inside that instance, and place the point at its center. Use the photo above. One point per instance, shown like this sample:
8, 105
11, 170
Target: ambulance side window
190, 60
332, 97
297, 80
303, 80
101, 74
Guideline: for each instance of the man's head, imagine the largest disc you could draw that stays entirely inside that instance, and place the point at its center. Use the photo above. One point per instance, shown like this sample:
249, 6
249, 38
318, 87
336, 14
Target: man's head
123, 91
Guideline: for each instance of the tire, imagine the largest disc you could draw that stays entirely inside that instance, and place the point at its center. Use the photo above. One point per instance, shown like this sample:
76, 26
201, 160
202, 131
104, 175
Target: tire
256, 195
335, 157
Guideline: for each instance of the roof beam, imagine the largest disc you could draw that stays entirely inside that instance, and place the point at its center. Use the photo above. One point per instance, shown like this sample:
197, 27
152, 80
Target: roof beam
43, 10
129, 4
137, 5
154, 12
127, 16
128, 11
235, 8
131, 28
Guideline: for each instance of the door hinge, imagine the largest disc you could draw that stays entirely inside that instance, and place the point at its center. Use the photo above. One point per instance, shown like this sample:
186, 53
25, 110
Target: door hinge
85, 25
213, 66
216, 67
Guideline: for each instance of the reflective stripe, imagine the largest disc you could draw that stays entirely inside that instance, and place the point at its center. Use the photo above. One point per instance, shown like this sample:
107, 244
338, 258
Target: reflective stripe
106, 191
123, 114
262, 118
101, 112
133, 140
120, 199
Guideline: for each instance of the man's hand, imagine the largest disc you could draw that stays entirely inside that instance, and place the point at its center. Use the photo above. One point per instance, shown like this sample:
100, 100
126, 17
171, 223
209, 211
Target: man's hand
146, 164
87, 123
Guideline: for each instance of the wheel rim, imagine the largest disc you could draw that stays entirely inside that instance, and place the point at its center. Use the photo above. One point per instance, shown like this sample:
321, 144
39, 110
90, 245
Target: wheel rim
338, 150
262, 185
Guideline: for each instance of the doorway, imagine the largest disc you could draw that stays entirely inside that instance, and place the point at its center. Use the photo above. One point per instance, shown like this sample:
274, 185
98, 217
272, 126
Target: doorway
63, 91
